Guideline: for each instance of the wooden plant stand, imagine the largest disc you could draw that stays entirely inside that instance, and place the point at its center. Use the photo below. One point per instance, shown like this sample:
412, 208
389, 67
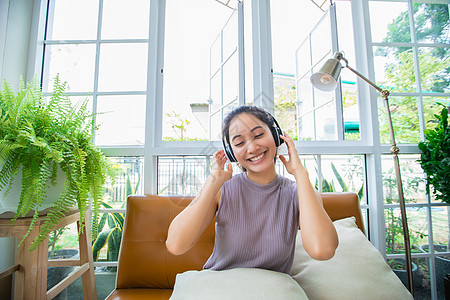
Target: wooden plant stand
30, 270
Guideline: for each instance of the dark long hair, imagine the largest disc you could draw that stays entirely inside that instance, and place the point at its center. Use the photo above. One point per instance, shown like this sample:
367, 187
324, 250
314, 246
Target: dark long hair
256, 111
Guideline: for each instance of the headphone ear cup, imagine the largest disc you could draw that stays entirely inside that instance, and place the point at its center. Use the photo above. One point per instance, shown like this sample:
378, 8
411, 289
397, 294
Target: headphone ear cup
229, 153
280, 132
276, 132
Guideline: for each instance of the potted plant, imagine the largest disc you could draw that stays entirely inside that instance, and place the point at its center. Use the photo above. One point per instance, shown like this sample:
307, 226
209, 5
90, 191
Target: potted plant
46, 140
435, 161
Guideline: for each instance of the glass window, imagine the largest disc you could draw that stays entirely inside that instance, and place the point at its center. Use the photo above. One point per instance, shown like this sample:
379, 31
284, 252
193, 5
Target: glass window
75, 63
343, 173
430, 108
129, 180
394, 69
123, 67
388, 17
72, 20
191, 32
121, 120
412, 179
431, 21
128, 21
434, 68
405, 120
181, 175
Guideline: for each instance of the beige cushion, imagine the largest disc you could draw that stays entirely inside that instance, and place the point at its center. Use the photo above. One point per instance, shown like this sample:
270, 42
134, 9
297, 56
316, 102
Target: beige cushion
236, 284
357, 270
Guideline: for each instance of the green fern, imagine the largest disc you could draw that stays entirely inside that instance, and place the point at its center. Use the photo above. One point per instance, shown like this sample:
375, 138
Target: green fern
38, 135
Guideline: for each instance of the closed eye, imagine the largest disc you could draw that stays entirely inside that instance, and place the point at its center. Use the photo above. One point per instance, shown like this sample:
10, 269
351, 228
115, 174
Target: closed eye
239, 144
259, 135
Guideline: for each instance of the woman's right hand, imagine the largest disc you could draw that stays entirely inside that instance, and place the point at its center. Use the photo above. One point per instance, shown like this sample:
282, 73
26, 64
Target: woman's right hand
218, 167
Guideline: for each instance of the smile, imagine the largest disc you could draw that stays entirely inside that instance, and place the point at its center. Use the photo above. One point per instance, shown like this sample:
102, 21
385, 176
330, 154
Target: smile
256, 158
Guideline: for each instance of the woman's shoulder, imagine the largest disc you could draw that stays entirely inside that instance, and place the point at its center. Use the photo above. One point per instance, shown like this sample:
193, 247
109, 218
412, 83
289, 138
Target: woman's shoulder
287, 182
235, 180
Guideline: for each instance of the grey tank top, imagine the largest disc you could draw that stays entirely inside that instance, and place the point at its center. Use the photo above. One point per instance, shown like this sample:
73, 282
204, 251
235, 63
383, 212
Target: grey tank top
256, 225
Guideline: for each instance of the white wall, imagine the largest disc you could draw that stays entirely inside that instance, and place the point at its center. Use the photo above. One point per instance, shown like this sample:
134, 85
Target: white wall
15, 39
15, 28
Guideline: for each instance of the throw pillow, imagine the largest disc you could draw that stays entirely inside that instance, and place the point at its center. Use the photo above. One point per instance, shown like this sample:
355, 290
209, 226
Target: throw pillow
240, 283
357, 270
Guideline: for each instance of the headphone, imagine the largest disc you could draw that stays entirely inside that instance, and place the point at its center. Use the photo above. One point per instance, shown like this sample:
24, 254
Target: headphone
275, 130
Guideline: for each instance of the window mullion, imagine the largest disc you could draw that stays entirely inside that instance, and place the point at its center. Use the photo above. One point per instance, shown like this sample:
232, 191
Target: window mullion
262, 55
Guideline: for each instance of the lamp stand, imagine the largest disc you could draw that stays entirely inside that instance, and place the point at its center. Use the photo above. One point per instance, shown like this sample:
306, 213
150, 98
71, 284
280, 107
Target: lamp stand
326, 79
394, 151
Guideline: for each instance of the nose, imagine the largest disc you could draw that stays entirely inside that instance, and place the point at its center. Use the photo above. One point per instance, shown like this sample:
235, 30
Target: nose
252, 147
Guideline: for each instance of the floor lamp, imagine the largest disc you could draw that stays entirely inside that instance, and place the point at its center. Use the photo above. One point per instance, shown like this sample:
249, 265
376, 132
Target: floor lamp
326, 79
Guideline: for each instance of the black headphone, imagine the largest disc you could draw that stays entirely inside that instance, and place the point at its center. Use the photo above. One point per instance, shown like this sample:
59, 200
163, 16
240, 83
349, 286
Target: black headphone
275, 130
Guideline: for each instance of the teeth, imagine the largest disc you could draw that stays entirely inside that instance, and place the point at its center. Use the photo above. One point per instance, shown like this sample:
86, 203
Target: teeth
257, 157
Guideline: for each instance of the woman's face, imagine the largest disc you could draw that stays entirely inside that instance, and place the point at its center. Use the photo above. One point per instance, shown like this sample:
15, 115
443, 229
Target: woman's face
252, 143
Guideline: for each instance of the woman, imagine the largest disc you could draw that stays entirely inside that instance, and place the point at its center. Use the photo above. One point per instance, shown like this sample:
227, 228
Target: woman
258, 212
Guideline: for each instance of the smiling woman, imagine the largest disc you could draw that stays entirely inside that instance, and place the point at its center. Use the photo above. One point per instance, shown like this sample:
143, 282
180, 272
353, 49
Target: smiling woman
258, 212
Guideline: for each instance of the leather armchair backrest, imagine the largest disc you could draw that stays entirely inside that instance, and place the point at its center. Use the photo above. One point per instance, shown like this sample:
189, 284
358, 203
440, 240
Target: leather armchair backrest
143, 258
144, 261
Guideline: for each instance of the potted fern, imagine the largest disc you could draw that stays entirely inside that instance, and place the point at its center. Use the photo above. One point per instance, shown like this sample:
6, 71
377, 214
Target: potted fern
435, 161
43, 141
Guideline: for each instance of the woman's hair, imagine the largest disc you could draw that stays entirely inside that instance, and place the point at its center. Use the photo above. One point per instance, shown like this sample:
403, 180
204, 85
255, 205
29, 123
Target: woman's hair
258, 112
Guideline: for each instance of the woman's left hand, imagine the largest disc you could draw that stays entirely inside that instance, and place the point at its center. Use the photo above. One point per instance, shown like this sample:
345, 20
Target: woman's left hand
293, 165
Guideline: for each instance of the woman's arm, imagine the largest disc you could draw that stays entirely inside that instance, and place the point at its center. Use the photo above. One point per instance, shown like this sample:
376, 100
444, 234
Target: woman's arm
319, 235
187, 227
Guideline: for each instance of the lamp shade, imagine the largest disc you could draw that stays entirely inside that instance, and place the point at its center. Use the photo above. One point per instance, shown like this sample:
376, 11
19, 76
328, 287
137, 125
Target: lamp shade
326, 78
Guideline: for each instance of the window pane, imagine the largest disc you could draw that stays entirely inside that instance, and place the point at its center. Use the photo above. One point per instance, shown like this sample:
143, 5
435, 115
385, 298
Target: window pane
215, 55
125, 21
230, 37
121, 120
305, 94
72, 20
123, 67
216, 126
216, 92
326, 122
417, 225
285, 104
181, 175
441, 222
350, 109
405, 120
430, 108
442, 264
187, 49
394, 69
321, 41
420, 274
230, 84
389, 21
306, 127
434, 64
343, 173
291, 21
431, 20
412, 179
129, 180
74, 63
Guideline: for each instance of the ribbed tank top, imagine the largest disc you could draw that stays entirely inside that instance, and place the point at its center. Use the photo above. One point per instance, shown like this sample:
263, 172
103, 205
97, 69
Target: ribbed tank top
256, 225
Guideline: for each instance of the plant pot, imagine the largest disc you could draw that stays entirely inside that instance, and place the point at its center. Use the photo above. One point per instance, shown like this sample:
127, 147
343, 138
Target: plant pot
442, 264
56, 274
403, 276
10, 202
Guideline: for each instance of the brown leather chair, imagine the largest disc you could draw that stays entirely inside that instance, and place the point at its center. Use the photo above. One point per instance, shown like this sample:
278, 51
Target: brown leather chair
146, 270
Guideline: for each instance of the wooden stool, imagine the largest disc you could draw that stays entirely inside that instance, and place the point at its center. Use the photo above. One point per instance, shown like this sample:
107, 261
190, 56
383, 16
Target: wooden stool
31, 267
